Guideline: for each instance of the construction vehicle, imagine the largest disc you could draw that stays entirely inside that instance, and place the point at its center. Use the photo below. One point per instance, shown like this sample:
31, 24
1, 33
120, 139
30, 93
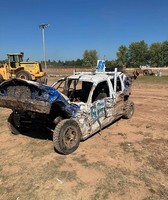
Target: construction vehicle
146, 70
17, 68
142, 70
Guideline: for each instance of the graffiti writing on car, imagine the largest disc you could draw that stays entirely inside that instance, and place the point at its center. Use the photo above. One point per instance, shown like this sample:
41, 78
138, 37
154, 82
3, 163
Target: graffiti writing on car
98, 110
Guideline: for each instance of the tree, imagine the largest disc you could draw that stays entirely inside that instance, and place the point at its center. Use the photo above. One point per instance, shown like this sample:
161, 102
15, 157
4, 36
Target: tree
110, 65
90, 58
79, 62
156, 56
122, 56
60, 63
164, 53
138, 54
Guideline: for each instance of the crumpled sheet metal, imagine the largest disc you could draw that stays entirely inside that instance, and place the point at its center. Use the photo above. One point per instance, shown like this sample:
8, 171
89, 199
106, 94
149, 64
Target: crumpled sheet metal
41, 95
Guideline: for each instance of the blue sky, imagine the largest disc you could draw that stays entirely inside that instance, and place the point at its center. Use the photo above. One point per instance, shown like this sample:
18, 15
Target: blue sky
79, 25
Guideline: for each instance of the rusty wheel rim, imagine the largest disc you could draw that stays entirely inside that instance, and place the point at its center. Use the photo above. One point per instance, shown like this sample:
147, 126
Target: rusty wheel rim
70, 137
22, 77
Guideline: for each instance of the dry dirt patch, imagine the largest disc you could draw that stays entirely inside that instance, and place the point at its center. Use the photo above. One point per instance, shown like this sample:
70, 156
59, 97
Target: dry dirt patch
127, 161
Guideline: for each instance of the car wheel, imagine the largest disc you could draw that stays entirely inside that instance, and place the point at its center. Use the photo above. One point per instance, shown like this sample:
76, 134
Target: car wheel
66, 136
11, 125
146, 73
128, 110
1, 78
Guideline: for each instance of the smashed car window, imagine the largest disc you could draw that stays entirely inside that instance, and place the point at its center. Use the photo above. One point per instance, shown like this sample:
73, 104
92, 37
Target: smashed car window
118, 85
60, 85
79, 90
101, 91
74, 89
86, 87
119, 88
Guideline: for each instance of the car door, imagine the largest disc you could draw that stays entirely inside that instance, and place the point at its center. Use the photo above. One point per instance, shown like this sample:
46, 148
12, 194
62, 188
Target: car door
98, 106
115, 104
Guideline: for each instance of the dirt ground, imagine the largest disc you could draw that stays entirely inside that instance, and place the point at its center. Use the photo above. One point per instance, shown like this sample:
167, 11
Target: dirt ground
128, 160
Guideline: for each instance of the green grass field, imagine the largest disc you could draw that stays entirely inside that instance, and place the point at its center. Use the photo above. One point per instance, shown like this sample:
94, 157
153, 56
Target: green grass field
152, 80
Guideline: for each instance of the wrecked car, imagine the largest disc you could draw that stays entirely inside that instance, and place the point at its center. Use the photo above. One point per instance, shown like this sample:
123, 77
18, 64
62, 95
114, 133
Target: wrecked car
72, 108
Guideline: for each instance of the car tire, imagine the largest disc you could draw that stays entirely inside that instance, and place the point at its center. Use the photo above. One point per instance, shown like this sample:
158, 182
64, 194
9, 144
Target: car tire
1, 78
66, 136
128, 110
11, 125
146, 73
22, 74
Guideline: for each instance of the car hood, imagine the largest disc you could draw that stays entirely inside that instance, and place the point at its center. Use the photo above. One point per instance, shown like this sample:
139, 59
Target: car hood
23, 95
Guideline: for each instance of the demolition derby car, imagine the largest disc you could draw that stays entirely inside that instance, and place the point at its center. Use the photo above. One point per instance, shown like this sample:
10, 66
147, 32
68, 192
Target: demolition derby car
72, 108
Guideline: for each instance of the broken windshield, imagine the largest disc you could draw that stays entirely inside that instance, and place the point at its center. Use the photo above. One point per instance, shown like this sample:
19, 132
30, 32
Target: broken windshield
74, 89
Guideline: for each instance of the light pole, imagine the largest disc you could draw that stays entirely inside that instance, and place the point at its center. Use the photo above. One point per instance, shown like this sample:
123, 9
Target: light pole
43, 26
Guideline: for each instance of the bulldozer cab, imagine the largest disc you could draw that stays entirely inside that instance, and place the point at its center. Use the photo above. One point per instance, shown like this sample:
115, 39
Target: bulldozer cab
14, 59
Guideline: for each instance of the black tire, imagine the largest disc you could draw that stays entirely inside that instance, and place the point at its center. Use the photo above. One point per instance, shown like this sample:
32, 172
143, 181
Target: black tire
128, 110
22, 74
1, 78
11, 125
146, 73
66, 136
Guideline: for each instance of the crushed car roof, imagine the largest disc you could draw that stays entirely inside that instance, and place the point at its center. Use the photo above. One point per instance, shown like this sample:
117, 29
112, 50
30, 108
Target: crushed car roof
93, 77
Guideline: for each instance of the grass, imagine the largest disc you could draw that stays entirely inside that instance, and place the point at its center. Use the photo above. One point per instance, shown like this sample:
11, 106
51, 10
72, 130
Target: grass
115, 182
99, 165
152, 80
157, 154
118, 181
156, 189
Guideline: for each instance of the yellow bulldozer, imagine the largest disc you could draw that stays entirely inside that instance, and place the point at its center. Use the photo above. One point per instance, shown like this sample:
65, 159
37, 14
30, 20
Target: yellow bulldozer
17, 68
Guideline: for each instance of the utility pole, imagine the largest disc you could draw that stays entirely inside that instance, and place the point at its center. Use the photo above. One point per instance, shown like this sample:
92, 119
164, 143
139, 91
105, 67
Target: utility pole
43, 26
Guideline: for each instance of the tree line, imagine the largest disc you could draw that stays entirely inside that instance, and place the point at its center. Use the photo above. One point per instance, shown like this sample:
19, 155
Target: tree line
140, 54
135, 55
90, 58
